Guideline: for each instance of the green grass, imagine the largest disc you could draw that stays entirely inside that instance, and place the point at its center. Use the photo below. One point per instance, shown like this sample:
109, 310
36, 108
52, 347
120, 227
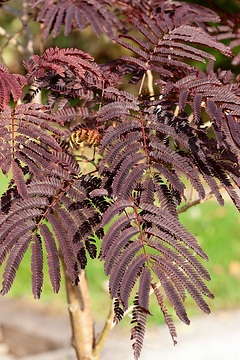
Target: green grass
218, 232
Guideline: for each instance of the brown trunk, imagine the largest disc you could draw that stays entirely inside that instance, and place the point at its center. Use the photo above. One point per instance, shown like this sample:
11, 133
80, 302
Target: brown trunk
79, 306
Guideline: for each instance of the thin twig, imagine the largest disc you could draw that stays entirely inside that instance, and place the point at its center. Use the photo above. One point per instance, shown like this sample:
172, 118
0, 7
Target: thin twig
27, 49
150, 83
196, 202
191, 197
109, 324
14, 12
11, 39
27, 31
141, 85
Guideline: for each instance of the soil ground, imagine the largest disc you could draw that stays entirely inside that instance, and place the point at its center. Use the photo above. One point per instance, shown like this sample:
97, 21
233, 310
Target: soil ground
31, 334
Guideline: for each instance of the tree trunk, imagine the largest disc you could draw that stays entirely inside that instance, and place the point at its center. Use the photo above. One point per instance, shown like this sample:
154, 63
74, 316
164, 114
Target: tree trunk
79, 306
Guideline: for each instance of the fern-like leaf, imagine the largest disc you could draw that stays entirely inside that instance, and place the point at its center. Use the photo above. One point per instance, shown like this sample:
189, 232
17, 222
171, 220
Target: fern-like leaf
161, 151
122, 239
167, 317
18, 176
29, 133
10, 84
37, 267
130, 277
13, 262
168, 39
139, 319
118, 311
76, 15
123, 261
66, 72
172, 293
144, 289
52, 257
66, 248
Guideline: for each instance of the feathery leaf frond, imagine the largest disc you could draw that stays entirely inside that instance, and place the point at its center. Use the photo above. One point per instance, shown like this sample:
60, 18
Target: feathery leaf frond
76, 14
101, 169
10, 84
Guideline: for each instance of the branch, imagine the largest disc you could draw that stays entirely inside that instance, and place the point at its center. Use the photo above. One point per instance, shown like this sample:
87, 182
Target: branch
150, 83
14, 12
196, 202
109, 324
11, 39
27, 31
27, 49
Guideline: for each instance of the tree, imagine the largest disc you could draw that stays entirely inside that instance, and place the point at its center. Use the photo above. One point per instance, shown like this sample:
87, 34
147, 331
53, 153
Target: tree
152, 118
